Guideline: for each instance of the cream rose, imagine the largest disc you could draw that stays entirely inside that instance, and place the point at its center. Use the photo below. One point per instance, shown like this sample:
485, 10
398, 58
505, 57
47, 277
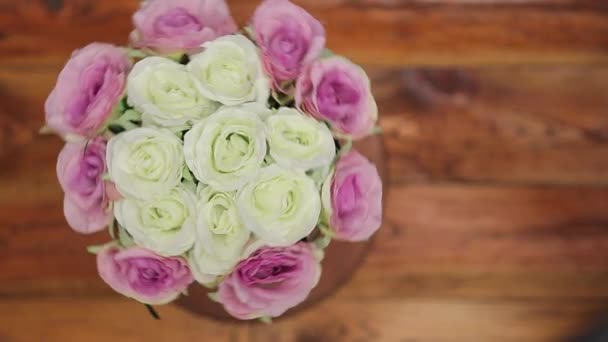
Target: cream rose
221, 235
165, 224
165, 93
280, 206
229, 71
145, 163
226, 150
299, 141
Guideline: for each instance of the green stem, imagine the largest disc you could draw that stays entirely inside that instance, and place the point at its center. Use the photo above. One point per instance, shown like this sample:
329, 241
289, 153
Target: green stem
152, 312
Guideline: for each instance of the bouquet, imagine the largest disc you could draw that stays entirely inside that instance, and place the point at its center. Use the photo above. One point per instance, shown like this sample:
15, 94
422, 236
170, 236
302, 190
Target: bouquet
216, 156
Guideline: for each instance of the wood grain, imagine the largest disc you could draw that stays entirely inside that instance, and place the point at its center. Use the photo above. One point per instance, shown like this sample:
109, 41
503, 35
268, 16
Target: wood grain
407, 320
516, 219
525, 125
489, 242
108, 319
392, 32
495, 117
441, 320
438, 240
512, 125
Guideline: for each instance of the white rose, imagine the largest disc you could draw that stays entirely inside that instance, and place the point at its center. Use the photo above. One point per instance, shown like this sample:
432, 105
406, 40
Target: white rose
229, 71
145, 162
226, 149
166, 94
299, 141
221, 235
165, 224
280, 206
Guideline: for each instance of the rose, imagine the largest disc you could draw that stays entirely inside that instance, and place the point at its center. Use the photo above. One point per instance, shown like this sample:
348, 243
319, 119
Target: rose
142, 275
145, 162
180, 25
221, 235
338, 92
226, 149
165, 93
270, 281
280, 206
289, 37
299, 141
80, 168
352, 198
219, 227
229, 71
165, 224
87, 90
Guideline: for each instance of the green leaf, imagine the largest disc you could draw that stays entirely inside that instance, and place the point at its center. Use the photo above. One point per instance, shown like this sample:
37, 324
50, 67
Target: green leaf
323, 241
214, 297
130, 115
377, 130
136, 54
127, 120
266, 320
122, 106
187, 175
94, 249
97, 248
112, 229
327, 53
116, 129
248, 30
319, 174
326, 230
346, 147
189, 184
45, 130
179, 57
285, 99
124, 238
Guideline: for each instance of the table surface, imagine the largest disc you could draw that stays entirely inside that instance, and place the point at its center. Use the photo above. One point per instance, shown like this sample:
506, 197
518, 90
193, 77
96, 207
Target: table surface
495, 118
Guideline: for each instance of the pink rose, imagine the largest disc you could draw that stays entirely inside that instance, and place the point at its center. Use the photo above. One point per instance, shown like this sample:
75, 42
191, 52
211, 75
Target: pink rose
170, 26
338, 92
80, 168
270, 281
87, 90
289, 37
355, 198
142, 275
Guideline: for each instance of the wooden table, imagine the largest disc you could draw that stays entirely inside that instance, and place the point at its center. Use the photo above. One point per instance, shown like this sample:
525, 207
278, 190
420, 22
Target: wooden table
495, 115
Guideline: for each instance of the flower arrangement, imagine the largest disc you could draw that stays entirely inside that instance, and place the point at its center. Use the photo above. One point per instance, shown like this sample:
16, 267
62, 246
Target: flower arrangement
216, 156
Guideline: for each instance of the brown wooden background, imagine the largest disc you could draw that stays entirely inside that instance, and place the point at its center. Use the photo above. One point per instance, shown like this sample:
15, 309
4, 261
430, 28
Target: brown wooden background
496, 129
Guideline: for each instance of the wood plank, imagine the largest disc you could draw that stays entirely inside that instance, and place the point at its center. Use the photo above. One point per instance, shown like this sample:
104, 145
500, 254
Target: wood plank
497, 210
105, 320
488, 242
441, 240
516, 125
433, 320
404, 320
395, 33
509, 124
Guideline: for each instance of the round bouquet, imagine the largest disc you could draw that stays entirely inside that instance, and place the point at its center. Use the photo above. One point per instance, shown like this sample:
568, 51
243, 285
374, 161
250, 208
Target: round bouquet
216, 157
